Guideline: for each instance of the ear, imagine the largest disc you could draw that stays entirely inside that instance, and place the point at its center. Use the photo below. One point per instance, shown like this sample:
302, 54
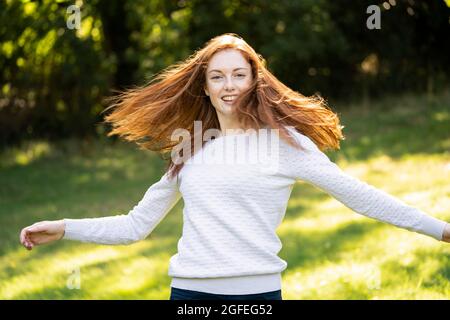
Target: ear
206, 92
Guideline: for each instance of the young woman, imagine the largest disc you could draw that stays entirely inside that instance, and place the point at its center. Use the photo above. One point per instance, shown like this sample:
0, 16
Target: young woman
229, 247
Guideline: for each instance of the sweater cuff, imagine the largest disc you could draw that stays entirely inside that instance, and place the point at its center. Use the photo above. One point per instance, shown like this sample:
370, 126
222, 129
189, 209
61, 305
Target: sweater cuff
432, 227
70, 231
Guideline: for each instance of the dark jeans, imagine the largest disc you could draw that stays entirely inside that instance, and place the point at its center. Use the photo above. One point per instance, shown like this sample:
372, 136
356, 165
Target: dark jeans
182, 294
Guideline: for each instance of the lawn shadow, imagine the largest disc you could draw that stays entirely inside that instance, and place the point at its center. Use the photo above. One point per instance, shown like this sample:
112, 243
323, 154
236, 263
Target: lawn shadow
429, 269
315, 247
396, 127
297, 207
90, 272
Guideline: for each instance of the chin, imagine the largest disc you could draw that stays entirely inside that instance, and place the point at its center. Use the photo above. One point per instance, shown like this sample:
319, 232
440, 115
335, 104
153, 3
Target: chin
228, 111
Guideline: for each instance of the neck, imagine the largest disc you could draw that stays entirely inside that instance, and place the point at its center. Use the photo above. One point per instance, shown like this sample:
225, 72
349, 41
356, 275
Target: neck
229, 123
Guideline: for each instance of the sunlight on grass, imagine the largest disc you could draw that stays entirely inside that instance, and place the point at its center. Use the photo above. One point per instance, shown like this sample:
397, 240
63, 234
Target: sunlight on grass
25, 155
442, 116
327, 281
130, 277
328, 216
383, 265
42, 271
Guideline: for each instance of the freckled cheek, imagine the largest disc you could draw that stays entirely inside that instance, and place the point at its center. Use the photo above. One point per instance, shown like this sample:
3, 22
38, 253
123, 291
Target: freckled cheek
242, 87
215, 92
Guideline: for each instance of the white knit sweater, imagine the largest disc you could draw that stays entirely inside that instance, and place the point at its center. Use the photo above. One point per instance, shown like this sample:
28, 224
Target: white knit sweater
229, 243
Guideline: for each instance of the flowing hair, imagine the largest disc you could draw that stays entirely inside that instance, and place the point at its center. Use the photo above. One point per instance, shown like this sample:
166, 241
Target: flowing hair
174, 98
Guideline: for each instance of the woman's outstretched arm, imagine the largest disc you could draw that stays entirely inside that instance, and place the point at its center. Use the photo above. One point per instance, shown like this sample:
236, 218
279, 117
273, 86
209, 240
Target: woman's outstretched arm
158, 200
313, 166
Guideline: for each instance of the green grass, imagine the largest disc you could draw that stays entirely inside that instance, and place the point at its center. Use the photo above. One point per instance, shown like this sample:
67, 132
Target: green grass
400, 145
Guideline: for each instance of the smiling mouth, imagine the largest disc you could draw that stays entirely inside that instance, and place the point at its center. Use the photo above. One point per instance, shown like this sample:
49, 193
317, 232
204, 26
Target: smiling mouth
228, 99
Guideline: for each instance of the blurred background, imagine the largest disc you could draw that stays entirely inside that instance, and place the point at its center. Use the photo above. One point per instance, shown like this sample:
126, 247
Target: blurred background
386, 75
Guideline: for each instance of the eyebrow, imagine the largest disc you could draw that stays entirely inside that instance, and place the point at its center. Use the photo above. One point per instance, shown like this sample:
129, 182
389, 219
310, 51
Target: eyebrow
220, 71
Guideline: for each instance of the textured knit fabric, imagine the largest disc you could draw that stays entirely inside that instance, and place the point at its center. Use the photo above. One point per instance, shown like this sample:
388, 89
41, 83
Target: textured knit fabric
231, 211
237, 285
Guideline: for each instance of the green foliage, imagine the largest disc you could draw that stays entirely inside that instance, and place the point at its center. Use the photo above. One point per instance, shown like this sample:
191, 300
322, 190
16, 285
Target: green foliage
55, 77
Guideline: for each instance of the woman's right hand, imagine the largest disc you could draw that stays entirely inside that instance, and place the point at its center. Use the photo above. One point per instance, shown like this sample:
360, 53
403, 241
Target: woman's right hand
41, 233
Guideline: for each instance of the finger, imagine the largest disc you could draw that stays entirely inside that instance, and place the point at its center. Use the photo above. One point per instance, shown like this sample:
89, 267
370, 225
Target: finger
37, 239
22, 236
38, 223
32, 239
25, 242
28, 241
36, 228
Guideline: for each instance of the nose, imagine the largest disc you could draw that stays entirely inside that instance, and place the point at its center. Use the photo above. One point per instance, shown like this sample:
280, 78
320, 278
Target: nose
229, 85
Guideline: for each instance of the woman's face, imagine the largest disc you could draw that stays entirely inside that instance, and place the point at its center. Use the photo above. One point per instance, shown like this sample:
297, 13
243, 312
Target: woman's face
227, 75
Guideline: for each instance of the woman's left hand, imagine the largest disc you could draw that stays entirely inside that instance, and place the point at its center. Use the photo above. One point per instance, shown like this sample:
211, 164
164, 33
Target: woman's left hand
446, 233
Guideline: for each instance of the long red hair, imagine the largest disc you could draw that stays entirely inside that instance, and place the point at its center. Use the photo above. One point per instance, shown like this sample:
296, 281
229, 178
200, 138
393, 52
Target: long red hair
175, 98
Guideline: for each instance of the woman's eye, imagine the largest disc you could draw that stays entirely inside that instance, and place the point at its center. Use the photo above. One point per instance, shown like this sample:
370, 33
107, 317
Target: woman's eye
239, 75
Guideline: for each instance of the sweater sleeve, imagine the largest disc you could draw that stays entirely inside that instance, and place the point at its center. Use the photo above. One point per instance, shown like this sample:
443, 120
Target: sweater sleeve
313, 166
158, 200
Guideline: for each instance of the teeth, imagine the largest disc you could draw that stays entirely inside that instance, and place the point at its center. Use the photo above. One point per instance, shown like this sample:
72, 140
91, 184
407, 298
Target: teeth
228, 98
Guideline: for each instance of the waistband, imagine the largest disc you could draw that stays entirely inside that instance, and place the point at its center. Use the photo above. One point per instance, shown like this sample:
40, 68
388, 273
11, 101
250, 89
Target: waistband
231, 285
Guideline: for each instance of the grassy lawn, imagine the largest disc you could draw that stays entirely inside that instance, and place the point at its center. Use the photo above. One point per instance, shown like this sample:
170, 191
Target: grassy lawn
400, 145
